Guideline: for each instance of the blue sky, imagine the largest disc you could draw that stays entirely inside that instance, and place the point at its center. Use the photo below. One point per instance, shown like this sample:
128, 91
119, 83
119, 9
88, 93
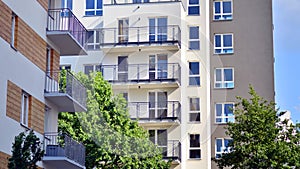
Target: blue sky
287, 58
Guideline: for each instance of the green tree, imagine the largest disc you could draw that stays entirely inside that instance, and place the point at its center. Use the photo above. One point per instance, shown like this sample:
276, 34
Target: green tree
111, 138
26, 152
260, 139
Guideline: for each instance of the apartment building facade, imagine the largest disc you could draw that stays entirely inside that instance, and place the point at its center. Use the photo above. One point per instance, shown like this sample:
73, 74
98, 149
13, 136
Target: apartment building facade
31, 87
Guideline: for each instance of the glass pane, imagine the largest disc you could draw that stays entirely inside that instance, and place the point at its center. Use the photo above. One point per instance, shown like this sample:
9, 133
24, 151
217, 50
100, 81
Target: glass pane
89, 13
194, 45
226, 7
90, 36
219, 109
162, 22
217, 40
195, 153
227, 40
228, 75
152, 136
194, 140
218, 75
194, 104
218, 120
194, 81
162, 99
88, 69
99, 4
194, 117
194, 10
194, 32
219, 145
97, 36
151, 99
194, 68
99, 13
193, 2
217, 7
228, 110
90, 4
162, 137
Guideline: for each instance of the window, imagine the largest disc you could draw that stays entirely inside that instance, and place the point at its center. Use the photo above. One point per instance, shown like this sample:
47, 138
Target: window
25, 109
224, 112
194, 75
160, 138
140, 1
223, 43
222, 146
13, 29
158, 29
195, 151
93, 42
194, 109
91, 68
93, 8
194, 41
222, 10
194, 7
224, 78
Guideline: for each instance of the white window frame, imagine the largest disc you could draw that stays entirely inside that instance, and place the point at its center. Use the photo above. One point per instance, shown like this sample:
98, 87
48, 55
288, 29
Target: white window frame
197, 75
193, 5
194, 40
223, 116
224, 50
156, 138
95, 45
95, 10
24, 109
13, 29
224, 84
223, 148
194, 111
94, 67
194, 148
222, 14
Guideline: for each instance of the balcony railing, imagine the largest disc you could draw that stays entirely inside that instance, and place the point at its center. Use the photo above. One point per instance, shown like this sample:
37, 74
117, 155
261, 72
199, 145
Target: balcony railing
149, 111
164, 72
64, 82
136, 36
62, 145
119, 2
172, 151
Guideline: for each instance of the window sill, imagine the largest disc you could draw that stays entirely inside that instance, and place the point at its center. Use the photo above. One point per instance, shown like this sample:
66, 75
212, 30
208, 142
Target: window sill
92, 16
224, 88
224, 53
196, 122
194, 159
220, 20
193, 15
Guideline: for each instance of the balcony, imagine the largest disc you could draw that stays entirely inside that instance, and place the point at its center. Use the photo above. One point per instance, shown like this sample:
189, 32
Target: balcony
172, 151
122, 2
148, 75
66, 32
135, 38
64, 90
61, 151
152, 114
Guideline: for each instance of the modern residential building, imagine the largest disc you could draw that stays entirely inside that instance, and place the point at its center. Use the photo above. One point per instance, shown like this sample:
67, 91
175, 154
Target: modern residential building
32, 38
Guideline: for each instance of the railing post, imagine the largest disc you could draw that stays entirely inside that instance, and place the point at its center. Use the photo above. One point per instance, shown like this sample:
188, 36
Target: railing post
173, 73
138, 72
138, 35
173, 33
137, 110
115, 35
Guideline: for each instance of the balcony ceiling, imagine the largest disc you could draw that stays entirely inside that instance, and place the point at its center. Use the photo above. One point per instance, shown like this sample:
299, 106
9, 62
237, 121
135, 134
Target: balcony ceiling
65, 103
61, 162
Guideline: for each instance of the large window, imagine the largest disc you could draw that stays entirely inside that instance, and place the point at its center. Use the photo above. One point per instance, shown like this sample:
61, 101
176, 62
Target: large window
222, 10
194, 110
91, 68
160, 138
25, 109
224, 112
93, 8
194, 73
194, 40
93, 42
194, 150
224, 78
194, 7
223, 43
222, 146
158, 29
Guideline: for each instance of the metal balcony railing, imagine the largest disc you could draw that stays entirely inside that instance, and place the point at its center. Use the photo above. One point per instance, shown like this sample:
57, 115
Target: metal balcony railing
65, 82
146, 111
147, 35
63, 19
62, 145
117, 2
168, 72
172, 151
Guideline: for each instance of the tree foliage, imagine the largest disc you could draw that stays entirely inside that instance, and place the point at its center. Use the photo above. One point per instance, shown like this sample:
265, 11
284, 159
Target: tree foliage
260, 139
111, 138
26, 152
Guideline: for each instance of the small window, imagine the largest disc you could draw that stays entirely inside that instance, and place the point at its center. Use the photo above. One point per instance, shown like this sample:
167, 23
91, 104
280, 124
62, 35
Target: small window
194, 7
223, 43
194, 109
91, 68
93, 8
222, 10
194, 74
194, 150
25, 109
194, 40
13, 30
224, 78
224, 112
93, 42
222, 146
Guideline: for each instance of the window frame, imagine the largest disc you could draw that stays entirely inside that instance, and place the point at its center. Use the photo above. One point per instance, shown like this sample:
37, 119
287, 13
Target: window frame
222, 18
24, 108
94, 10
194, 111
94, 45
224, 50
94, 68
195, 75
194, 40
193, 5
223, 117
194, 148
223, 83
222, 147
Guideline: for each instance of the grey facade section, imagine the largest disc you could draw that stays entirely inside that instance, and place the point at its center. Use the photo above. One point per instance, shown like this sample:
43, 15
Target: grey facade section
252, 60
